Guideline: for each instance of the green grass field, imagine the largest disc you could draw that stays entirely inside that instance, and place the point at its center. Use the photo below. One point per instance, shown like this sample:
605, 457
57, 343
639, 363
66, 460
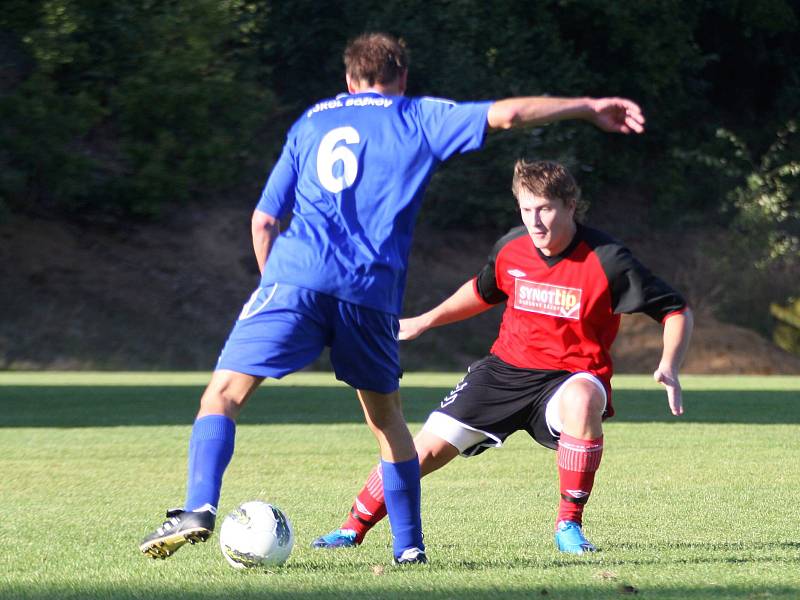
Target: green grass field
703, 506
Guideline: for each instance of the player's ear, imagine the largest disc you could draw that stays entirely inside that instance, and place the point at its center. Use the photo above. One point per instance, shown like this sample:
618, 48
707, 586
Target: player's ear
403, 82
572, 206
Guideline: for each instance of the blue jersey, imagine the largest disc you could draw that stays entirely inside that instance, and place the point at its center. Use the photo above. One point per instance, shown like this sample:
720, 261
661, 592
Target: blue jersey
353, 172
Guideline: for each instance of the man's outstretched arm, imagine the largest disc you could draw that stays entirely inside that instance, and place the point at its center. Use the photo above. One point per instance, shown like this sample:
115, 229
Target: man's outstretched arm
617, 115
677, 333
463, 304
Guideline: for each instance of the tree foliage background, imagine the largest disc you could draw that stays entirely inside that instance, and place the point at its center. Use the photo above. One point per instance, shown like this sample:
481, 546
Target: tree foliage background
111, 111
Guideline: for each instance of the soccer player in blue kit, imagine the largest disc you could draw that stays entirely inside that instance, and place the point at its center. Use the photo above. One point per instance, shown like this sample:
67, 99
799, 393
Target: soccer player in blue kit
352, 175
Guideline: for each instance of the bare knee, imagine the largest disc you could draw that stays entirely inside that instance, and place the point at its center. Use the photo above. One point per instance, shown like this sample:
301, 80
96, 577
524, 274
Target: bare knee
433, 452
382, 412
227, 393
384, 416
581, 409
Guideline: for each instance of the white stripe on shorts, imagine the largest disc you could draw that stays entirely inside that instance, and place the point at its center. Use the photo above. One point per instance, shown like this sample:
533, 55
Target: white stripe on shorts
247, 309
457, 433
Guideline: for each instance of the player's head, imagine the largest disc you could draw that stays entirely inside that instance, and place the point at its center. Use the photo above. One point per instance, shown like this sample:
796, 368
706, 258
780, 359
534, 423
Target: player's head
376, 60
548, 200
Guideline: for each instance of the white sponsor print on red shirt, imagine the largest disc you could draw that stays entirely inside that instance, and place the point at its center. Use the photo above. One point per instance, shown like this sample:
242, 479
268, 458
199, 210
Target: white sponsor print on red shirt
546, 299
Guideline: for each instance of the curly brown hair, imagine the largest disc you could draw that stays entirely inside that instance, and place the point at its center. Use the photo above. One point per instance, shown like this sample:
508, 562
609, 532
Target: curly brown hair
375, 58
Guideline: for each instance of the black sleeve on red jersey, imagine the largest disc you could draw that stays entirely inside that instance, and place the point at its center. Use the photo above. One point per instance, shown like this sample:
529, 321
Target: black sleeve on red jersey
633, 287
486, 281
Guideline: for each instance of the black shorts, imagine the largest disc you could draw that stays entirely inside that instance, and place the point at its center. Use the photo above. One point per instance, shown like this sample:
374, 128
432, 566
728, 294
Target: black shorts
498, 399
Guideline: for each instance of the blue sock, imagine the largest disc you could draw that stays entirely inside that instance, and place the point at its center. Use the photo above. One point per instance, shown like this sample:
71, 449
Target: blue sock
210, 451
401, 491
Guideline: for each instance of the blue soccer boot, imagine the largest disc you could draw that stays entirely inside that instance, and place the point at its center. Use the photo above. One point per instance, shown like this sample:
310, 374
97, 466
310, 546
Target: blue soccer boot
570, 538
338, 538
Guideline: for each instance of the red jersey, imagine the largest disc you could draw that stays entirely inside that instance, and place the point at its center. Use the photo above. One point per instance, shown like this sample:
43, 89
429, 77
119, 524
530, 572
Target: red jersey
563, 312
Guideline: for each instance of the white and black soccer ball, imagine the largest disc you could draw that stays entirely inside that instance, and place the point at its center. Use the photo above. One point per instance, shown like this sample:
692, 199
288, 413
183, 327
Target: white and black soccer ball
256, 534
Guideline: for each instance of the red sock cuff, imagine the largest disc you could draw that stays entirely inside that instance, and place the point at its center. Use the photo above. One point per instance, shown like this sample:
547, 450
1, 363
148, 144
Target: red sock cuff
374, 484
579, 455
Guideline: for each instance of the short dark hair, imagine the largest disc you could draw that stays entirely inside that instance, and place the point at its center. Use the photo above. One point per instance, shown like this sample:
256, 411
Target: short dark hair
549, 180
375, 58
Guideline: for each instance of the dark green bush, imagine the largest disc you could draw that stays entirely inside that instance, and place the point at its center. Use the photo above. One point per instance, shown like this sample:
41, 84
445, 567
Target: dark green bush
129, 106
123, 108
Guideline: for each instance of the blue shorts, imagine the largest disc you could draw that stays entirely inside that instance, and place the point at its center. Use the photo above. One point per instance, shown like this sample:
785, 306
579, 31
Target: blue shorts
283, 328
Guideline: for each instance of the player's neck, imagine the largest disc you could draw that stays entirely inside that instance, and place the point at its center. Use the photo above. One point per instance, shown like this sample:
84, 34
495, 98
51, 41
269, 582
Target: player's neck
377, 89
395, 88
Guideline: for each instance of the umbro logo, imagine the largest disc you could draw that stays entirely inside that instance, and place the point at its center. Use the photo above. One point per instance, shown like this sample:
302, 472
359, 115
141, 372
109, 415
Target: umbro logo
577, 493
362, 509
516, 273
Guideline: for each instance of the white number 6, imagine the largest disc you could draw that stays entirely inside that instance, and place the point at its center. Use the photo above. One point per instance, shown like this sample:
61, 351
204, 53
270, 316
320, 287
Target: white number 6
328, 155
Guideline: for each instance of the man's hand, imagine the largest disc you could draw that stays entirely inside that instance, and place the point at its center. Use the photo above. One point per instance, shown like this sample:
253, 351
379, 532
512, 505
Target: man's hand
411, 328
462, 304
617, 115
669, 379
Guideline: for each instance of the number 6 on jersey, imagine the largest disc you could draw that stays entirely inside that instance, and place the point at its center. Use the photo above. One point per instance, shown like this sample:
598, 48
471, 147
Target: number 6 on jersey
329, 154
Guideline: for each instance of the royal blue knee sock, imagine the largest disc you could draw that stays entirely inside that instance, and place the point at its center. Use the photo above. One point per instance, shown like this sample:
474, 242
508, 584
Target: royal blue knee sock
402, 494
210, 451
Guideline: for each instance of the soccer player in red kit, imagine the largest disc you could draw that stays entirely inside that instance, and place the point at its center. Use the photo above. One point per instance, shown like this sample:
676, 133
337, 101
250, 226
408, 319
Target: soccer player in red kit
549, 371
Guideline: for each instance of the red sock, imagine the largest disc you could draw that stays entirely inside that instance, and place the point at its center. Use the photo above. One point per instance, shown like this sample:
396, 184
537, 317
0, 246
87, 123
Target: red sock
369, 507
578, 461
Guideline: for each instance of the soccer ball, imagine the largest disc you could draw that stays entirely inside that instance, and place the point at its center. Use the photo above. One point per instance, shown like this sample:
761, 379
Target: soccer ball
256, 534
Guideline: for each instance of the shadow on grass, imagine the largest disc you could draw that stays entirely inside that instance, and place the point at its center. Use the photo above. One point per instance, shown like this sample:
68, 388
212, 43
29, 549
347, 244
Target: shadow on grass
411, 590
750, 553
106, 406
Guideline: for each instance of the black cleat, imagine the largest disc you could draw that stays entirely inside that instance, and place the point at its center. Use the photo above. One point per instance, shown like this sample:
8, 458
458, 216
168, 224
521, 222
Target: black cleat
411, 556
179, 528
